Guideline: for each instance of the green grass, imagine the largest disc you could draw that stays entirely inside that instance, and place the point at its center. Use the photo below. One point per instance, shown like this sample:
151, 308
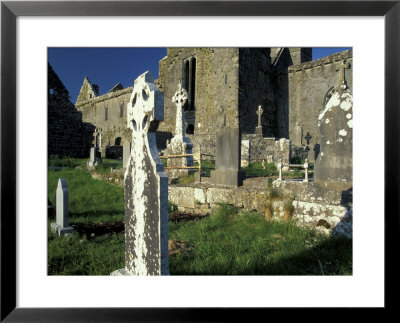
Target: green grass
226, 243
246, 244
77, 255
257, 170
90, 200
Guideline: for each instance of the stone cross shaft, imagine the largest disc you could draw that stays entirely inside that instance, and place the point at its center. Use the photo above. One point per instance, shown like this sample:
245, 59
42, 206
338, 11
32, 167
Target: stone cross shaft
341, 84
180, 99
259, 113
146, 185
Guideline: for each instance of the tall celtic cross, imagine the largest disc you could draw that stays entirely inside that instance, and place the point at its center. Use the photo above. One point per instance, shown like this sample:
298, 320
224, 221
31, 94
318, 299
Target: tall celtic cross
180, 99
146, 185
259, 113
341, 84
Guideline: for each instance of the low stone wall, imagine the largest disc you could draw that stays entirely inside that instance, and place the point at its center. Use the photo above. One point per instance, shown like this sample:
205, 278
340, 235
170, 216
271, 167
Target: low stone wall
327, 209
325, 206
201, 198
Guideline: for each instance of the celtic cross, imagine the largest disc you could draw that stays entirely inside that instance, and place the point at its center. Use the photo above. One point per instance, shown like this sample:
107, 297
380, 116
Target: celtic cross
259, 113
179, 99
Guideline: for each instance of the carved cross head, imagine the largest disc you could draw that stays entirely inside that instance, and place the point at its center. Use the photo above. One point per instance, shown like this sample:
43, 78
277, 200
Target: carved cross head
145, 105
259, 111
180, 96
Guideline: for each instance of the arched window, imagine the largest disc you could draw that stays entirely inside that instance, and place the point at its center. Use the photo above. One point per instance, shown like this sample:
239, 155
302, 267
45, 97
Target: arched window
327, 96
117, 141
189, 81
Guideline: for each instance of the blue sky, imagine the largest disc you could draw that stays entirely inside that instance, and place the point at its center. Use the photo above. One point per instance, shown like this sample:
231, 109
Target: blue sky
108, 66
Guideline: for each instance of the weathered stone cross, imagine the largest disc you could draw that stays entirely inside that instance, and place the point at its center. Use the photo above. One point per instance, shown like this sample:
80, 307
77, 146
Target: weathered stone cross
259, 113
341, 84
146, 185
179, 99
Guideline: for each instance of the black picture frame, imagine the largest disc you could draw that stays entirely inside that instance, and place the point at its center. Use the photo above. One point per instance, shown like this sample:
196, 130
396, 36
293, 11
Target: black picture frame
10, 10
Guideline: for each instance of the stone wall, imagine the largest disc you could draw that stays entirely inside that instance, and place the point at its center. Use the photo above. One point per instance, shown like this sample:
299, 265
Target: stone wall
113, 129
325, 206
256, 87
327, 209
310, 87
68, 136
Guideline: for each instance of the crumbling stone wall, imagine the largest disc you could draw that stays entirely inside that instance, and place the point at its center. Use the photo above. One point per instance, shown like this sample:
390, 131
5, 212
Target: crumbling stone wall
310, 87
68, 136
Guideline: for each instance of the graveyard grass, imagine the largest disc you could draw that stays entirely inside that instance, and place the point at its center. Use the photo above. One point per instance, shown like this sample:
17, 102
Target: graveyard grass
228, 242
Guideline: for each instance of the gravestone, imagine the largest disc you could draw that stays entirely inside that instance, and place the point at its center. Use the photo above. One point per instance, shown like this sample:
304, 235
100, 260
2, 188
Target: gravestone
259, 126
92, 158
126, 153
335, 158
298, 135
227, 159
245, 153
146, 186
180, 144
61, 226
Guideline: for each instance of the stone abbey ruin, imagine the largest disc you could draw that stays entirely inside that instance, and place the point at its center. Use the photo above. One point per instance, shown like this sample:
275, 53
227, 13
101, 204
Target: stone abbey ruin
272, 104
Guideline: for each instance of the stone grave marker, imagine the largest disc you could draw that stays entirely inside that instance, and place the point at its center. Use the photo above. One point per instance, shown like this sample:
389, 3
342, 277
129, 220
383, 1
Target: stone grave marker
92, 158
335, 159
245, 153
180, 144
259, 126
126, 153
146, 186
227, 159
61, 226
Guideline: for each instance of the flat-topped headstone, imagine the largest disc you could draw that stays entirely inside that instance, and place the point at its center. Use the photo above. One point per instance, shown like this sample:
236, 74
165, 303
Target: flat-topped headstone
92, 158
126, 152
61, 225
245, 153
227, 158
146, 186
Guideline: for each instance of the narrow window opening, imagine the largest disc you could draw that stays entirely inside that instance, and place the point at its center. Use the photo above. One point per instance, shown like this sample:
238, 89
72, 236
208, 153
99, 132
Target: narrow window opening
121, 109
106, 113
51, 91
189, 82
117, 141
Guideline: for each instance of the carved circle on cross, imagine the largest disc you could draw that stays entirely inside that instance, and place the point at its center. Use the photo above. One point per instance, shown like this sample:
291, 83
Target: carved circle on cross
140, 108
180, 96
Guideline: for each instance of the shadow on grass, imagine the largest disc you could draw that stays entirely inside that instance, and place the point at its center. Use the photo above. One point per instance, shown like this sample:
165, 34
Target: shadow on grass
331, 257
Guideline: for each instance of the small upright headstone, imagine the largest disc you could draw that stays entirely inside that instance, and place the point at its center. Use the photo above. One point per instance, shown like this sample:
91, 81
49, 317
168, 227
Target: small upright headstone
126, 153
227, 160
61, 225
146, 186
92, 159
245, 153
298, 135
180, 144
259, 126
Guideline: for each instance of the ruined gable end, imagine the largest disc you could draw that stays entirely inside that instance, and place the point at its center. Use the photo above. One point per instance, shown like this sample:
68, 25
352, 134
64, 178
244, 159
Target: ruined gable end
87, 92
